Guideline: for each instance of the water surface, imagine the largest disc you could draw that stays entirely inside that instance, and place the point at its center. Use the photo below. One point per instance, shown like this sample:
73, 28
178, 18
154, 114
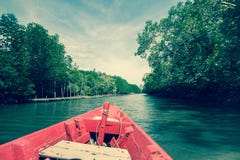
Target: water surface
185, 130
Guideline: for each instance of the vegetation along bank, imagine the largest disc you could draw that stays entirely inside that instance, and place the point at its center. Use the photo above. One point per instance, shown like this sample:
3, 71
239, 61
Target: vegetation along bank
34, 64
194, 52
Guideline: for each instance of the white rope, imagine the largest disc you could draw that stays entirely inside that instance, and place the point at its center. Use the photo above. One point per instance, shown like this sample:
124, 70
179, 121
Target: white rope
120, 130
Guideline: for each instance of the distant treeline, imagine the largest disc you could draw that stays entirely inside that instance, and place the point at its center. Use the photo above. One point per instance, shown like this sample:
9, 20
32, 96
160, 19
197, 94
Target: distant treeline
195, 51
34, 64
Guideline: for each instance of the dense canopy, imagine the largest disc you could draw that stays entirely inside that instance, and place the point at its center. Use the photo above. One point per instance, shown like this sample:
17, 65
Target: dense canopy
195, 51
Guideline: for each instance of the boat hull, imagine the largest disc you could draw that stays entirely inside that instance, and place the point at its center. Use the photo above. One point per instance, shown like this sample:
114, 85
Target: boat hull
109, 127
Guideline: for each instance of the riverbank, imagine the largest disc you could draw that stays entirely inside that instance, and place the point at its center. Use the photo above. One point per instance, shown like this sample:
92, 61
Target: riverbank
63, 98
229, 98
38, 100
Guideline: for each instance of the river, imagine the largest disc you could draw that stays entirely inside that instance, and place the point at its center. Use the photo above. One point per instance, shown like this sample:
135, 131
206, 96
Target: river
186, 130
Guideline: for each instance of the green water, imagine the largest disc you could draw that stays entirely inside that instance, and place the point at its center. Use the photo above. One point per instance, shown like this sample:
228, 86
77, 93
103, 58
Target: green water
185, 130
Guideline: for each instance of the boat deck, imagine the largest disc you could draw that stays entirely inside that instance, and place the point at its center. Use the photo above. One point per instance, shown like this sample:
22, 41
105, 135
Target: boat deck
72, 150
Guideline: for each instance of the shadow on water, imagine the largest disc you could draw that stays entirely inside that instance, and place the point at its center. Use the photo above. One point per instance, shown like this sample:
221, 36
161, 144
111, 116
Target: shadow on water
192, 130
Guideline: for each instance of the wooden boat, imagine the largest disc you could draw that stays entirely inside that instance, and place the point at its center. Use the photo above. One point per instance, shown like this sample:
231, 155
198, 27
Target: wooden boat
104, 133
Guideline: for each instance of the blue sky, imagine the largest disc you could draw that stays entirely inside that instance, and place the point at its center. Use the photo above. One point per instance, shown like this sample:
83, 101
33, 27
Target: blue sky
98, 34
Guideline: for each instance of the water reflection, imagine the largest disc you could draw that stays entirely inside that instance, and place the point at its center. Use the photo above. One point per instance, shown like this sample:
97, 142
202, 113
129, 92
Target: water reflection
198, 131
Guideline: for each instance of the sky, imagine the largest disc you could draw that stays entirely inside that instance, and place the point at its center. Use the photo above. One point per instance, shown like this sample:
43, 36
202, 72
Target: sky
97, 34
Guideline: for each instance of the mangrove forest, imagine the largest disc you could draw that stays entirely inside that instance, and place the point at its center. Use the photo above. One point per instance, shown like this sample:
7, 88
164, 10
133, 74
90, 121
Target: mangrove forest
194, 52
34, 64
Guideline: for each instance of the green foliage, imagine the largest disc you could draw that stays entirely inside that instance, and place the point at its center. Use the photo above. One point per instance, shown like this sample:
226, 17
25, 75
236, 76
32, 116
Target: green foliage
47, 60
97, 83
123, 87
34, 64
14, 66
195, 50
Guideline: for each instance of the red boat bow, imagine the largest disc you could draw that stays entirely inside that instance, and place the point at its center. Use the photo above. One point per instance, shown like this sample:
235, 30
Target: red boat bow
106, 125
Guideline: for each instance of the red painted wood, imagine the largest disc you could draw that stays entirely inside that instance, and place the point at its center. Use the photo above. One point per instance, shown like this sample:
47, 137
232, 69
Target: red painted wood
101, 128
110, 128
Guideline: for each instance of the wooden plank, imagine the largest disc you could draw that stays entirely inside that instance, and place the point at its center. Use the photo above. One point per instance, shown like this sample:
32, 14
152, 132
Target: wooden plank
73, 150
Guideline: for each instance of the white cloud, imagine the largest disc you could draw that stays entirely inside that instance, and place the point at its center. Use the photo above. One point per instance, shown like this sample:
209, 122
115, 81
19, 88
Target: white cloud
110, 49
106, 47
